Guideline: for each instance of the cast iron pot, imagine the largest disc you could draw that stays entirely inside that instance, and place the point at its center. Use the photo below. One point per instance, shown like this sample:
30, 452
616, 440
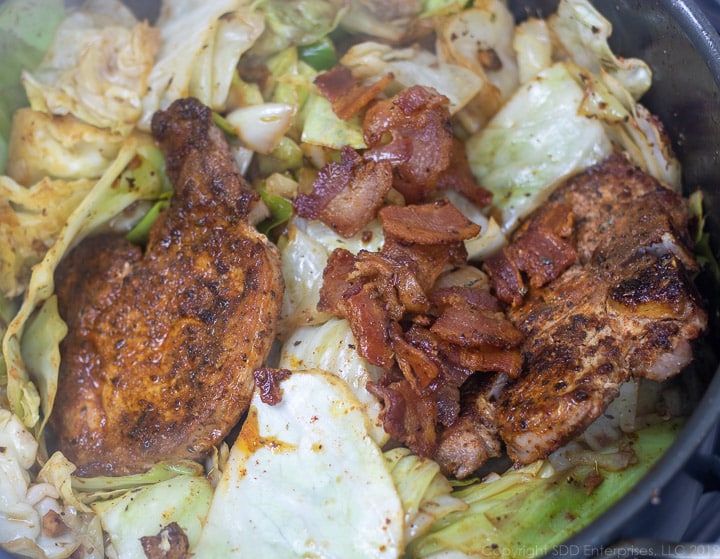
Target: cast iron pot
683, 49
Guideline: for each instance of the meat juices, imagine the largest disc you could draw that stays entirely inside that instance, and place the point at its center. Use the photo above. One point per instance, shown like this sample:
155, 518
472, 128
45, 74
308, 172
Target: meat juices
161, 346
600, 295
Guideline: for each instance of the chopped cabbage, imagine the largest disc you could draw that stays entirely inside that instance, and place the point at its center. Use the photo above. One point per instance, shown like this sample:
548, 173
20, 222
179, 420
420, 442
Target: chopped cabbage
43, 145
296, 22
533, 48
304, 253
109, 196
262, 126
304, 479
25, 504
538, 138
414, 66
584, 32
425, 493
96, 67
202, 42
145, 511
332, 347
396, 23
31, 221
526, 512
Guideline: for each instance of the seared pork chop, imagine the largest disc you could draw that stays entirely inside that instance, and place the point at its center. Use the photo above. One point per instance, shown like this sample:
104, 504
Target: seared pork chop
624, 305
159, 358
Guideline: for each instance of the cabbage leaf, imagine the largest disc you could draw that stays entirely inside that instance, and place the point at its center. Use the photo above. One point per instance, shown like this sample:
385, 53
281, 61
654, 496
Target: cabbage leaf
304, 479
538, 138
113, 192
583, 32
145, 511
43, 145
31, 221
304, 253
332, 347
96, 67
525, 512
25, 503
296, 22
201, 44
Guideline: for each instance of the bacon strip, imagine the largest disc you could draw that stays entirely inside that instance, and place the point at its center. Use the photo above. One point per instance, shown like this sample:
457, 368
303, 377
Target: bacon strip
346, 93
419, 117
347, 195
438, 223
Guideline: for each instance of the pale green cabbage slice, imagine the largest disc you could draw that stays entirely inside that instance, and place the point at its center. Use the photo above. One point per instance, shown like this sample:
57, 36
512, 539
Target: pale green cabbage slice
96, 68
332, 347
297, 22
525, 512
201, 44
145, 511
584, 32
108, 197
305, 479
533, 48
425, 493
538, 138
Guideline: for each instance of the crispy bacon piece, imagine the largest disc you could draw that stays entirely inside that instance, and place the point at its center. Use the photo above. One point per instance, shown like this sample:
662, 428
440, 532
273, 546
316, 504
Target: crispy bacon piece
267, 381
542, 249
347, 195
438, 223
429, 341
170, 543
346, 93
417, 117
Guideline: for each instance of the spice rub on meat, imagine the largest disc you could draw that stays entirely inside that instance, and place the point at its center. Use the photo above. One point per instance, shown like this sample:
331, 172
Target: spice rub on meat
598, 281
162, 343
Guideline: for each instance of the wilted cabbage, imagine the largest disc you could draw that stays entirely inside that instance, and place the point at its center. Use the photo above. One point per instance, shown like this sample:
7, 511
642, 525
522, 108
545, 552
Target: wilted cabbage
30, 221
414, 66
557, 124
332, 347
303, 479
43, 145
480, 39
201, 44
584, 33
147, 510
533, 48
96, 68
28, 507
296, 22
525, 512
425, 493
396, 21
535, 140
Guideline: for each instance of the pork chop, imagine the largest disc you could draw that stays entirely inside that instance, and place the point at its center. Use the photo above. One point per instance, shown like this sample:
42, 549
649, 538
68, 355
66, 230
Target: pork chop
625, 305
162, 343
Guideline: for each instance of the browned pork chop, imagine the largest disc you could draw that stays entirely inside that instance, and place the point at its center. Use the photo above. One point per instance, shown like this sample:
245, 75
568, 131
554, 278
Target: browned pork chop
625, 305
158, 362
